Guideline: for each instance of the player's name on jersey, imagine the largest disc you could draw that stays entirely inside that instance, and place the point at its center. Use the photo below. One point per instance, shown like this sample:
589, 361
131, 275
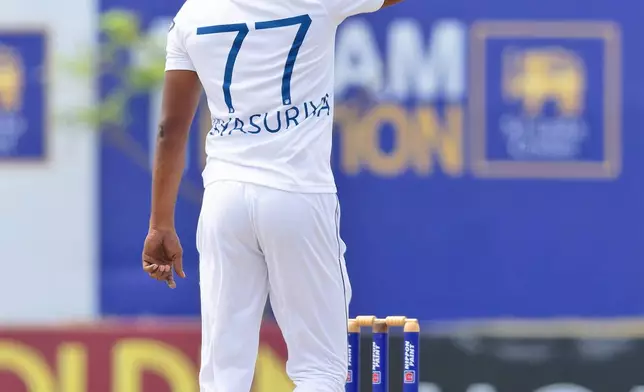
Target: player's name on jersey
272, 122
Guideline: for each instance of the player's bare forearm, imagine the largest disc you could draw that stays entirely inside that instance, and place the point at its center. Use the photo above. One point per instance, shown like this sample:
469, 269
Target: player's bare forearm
391, 2
180, 99
166, 176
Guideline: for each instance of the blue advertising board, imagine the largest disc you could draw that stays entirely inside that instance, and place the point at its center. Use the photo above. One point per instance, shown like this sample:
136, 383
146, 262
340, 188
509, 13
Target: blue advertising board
487, 158
23, 95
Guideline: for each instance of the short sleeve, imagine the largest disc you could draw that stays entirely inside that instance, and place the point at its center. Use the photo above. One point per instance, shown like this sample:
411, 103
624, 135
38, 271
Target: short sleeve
177, 57
343, 9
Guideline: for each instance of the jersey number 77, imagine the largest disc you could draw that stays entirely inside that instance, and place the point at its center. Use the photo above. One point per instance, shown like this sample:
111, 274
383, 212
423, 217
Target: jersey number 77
242, 30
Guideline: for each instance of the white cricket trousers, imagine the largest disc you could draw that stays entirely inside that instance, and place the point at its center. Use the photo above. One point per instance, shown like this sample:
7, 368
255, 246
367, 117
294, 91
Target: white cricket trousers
257, 242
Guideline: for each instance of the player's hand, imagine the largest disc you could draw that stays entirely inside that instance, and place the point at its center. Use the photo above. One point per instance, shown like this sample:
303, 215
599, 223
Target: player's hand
162, 253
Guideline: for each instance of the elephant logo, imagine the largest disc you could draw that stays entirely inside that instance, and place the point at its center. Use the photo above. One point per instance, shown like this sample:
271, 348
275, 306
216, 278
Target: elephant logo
538, 76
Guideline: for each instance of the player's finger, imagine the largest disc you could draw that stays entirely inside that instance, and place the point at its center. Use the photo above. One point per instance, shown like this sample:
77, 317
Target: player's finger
157, 272
156, 268
171, 283
178, 267
160, 275
152, 260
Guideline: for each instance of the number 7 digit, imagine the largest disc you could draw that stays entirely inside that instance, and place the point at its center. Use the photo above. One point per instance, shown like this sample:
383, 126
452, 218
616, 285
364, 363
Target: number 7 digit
242, 31
305, 22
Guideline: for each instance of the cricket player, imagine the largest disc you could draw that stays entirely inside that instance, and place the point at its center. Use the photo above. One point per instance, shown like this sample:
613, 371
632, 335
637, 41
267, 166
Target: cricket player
270, 220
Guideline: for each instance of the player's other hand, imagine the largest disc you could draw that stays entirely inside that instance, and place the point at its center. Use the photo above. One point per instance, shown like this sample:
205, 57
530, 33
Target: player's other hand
162, 253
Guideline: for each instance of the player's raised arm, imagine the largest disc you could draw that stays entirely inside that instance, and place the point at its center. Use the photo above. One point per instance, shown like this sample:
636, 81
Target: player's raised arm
181, 92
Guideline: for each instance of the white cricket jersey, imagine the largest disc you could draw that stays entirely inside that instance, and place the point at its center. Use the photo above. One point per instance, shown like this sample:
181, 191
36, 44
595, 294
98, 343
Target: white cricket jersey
267, 67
